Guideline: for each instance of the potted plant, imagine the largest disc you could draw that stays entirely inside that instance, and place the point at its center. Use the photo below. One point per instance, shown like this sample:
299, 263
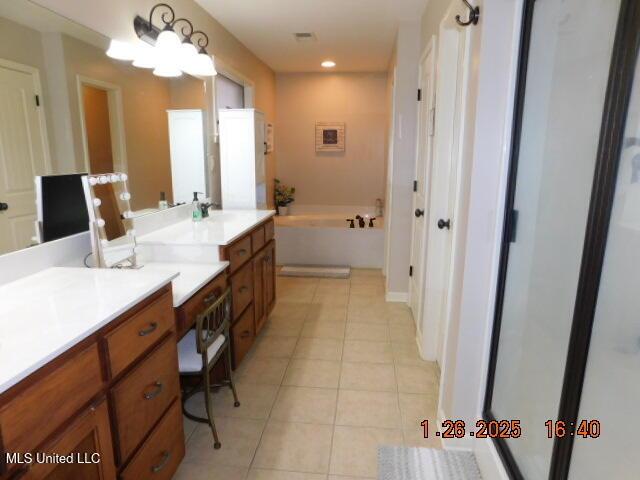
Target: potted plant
284, 196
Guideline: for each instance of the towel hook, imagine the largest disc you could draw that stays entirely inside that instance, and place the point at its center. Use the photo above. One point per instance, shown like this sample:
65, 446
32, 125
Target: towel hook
474, 15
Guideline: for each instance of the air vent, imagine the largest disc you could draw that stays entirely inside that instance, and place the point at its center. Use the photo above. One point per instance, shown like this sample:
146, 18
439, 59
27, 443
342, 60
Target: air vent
305, 37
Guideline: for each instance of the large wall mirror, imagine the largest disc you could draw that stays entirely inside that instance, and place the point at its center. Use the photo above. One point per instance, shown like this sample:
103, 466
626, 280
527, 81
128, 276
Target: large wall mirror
67, 108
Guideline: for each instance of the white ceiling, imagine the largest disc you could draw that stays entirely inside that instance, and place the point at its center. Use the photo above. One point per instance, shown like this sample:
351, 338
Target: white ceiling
357, 34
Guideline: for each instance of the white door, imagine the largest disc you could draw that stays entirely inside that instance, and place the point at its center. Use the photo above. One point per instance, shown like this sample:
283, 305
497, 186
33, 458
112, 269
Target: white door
22, 156
444, 187
423, 162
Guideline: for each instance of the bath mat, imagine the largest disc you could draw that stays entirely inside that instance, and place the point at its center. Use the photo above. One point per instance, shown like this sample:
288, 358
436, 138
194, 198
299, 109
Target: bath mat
315, 271
404, 463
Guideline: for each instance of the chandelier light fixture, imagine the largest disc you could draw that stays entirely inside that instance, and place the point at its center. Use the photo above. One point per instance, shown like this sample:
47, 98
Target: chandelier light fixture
174, 49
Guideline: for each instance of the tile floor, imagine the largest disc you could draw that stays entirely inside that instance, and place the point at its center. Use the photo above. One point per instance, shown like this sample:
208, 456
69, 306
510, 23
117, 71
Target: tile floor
333, 374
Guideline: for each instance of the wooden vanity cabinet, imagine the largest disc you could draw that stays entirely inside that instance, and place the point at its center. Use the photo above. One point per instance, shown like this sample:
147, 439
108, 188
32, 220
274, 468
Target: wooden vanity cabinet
111, 394
252, 279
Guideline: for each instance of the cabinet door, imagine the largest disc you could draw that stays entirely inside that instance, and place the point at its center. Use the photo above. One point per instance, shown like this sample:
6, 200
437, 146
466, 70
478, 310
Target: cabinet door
259, 290
270, 277
88, 440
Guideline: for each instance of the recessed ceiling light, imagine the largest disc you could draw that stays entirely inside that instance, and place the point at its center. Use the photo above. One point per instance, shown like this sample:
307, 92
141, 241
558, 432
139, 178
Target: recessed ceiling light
328, 64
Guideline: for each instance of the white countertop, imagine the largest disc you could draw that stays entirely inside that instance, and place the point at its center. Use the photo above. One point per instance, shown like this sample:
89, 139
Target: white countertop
45, 314
222, 227
192, 277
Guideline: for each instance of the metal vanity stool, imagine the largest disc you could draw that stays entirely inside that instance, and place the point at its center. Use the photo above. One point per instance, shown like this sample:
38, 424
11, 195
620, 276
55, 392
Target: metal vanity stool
199, 351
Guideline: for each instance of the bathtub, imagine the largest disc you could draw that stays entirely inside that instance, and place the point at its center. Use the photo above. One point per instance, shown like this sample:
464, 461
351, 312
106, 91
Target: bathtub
326, 239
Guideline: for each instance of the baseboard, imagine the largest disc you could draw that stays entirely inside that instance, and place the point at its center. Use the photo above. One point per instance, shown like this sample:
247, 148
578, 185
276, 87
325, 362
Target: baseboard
397, 297
455, 444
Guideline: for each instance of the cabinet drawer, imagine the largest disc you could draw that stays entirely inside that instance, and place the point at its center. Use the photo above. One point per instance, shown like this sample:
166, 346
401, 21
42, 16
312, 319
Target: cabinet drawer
187, 312
269, 231
137, 334
32, 415
239, 253
257, 239
242, 289
243, 335
140, 398
163, 451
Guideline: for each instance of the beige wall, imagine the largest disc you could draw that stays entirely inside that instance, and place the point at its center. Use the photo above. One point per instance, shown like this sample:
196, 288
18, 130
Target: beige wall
352, 177
114, 18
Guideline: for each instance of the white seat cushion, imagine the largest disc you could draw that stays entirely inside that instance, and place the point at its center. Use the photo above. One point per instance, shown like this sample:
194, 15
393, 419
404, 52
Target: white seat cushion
189, 360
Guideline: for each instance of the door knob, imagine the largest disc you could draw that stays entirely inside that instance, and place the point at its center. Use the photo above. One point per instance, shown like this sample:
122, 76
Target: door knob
419, 213
442, 224
4, 206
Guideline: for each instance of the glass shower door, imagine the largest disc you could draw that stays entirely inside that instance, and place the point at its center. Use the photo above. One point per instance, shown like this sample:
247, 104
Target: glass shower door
567, 68
611, 392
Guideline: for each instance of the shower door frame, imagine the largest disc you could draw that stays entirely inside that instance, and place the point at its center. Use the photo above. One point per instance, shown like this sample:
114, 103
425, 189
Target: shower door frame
624, 58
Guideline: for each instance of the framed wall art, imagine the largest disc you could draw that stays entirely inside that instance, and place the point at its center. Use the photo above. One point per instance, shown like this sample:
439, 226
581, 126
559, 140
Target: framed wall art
330, 137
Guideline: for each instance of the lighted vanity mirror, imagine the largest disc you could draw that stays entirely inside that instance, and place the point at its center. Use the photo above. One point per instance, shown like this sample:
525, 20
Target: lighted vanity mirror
110, 218
68, 108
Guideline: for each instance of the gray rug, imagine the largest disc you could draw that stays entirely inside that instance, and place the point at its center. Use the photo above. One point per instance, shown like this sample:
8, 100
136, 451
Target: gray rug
403, 463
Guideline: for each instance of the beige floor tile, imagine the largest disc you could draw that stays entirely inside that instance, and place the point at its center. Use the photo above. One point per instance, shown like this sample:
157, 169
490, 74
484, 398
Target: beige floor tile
377, 377
290, 311
415, 408
355, 449
274, 347
259, 474
304, 372
332, 299
333, 288
305, 405
344, 477
407, 354
322, 329
327, 313
200, 471
262, 371
364, 351
402, 333
189, 427
414, 437
400, 317
371, 289
300, 294
367, 331
334, 281
365, 303
282, 327
255, 401
319, 348
296, 447
417, 379
368, 409
239, 438
295, 281
369, 314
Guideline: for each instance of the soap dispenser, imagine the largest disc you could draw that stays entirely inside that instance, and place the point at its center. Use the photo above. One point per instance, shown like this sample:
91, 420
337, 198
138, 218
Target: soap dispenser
196, 211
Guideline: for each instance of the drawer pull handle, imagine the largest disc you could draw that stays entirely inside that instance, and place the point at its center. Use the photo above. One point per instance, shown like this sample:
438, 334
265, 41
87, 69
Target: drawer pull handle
245, 334
163, 463
243, 289
210, 298
242, 252
155, 393
148, 331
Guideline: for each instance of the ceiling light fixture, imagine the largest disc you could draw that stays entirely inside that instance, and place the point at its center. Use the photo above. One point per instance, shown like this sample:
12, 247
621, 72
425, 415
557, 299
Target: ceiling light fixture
164, 50
328, 64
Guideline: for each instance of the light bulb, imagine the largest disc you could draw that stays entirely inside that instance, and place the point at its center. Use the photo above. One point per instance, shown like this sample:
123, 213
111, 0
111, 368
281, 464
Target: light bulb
100, 222
328, 64
123, 177
203, 66
114, 178
93, 181
168, 41
103, 179
167, 68
121, 50
97, 202
127, 214
125, 196
145, 56
188, 57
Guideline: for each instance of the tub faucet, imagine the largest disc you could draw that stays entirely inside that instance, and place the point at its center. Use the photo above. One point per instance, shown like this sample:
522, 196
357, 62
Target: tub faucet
371, 219
361, 222
352, 224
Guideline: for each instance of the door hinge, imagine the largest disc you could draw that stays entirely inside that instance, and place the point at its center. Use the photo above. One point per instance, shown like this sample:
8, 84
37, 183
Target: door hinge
411, 270
419, 94
37, 100
415, 185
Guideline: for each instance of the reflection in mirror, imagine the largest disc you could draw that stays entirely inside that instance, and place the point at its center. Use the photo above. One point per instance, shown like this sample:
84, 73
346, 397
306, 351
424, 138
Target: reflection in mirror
87, 112
110, 218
